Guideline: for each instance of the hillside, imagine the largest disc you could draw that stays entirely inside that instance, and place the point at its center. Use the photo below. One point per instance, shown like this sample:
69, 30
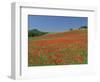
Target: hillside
35, 32
61, 48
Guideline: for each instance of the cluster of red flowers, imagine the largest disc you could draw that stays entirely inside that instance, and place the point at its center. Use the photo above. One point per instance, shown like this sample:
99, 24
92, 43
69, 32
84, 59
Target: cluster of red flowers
58, 49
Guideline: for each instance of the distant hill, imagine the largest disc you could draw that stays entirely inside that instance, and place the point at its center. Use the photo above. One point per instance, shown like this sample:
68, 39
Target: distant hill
83, 27
35, 32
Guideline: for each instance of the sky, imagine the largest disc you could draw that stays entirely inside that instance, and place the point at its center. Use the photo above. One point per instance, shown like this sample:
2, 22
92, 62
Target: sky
55, 23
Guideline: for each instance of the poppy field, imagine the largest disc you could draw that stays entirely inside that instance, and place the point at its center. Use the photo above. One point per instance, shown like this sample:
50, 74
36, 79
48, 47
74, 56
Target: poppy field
60, 48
